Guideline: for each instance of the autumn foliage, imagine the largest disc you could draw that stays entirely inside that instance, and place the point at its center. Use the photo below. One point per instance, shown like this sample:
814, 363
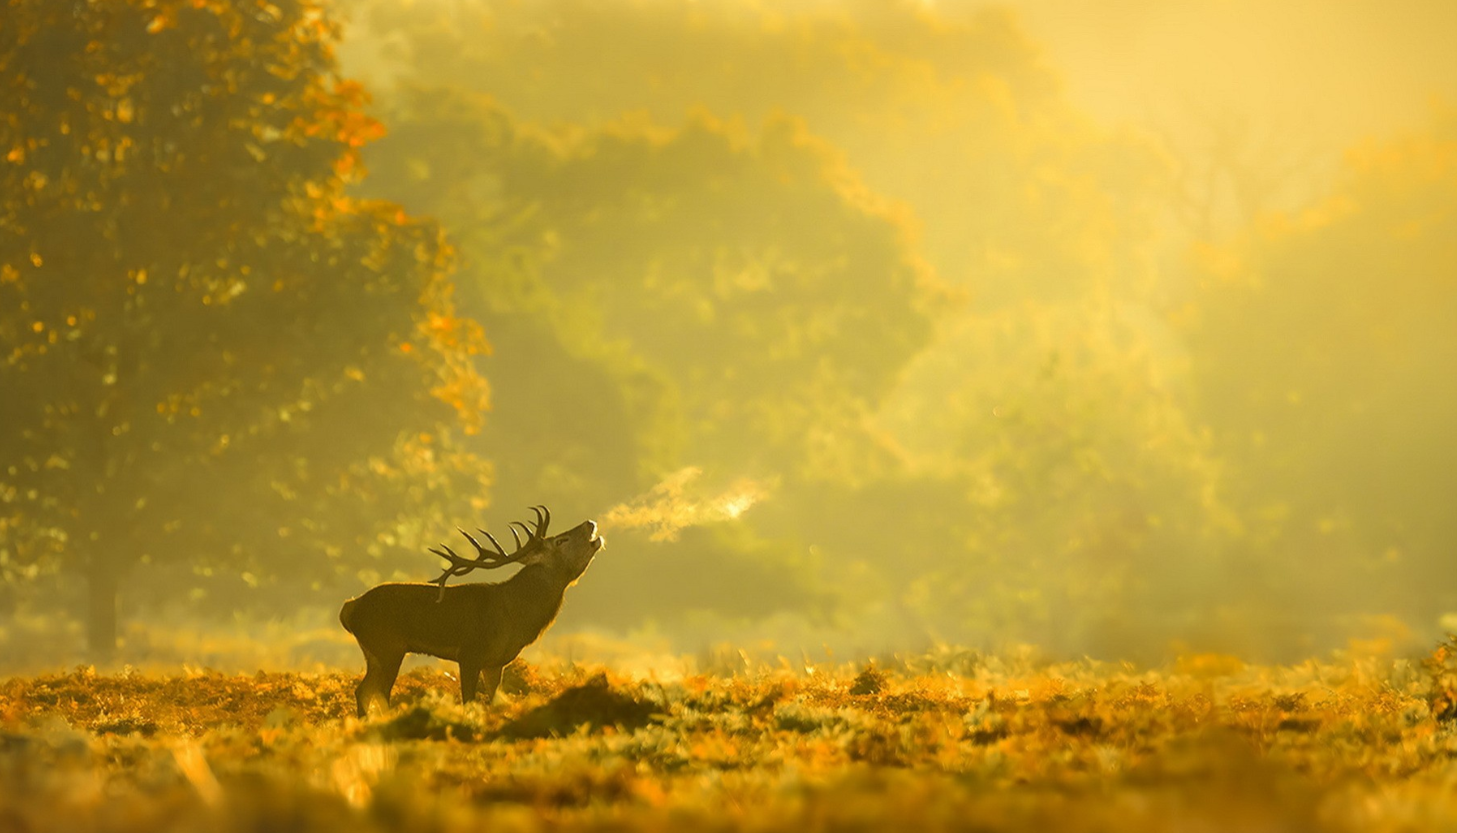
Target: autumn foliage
211, 351
948, 740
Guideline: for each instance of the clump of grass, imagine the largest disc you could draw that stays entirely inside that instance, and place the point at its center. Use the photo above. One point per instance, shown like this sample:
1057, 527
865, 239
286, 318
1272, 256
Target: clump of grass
595, 704
425, 721
869, 681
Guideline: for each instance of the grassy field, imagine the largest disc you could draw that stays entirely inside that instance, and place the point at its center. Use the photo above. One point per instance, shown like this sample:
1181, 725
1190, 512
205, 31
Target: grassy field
955, 741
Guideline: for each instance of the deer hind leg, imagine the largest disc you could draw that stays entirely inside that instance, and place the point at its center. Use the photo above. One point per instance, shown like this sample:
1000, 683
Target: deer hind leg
490, 679
477, 675
379, 679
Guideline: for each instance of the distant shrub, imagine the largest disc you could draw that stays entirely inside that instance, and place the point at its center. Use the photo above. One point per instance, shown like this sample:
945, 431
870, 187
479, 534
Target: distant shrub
1441, 667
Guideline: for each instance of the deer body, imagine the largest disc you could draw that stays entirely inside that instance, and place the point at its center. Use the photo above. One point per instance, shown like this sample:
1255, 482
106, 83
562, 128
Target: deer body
482, 627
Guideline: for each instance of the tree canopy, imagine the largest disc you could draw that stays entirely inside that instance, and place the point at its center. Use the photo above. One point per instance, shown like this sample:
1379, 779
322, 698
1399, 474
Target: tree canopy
1322, 342
208, 343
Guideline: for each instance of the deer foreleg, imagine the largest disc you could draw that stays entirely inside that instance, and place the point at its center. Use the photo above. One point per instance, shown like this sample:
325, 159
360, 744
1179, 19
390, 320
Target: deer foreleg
470, 677
476, 675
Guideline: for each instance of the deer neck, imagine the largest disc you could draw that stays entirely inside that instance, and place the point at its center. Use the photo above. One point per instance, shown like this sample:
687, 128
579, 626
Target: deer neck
536, 592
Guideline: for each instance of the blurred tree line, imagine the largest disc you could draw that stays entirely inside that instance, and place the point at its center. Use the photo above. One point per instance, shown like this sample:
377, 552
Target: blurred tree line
864, 250
1065, 428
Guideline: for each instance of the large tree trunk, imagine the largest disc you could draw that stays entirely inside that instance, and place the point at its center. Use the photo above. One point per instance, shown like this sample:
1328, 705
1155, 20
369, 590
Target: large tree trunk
101, 593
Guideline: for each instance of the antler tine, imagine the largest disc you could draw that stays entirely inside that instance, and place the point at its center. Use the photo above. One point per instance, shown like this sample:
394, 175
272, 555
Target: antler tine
486, 557
487, 560
444, 577
446, 553
456, 561
473, 542
494, 543
522, 548
458, 567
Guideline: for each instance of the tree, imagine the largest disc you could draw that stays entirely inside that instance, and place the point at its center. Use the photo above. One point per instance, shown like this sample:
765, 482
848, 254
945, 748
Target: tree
948, 108
210, 352
1322, 342
1086, 499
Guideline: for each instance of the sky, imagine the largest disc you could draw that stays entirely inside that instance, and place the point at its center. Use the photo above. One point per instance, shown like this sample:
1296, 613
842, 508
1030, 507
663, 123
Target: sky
1316, 76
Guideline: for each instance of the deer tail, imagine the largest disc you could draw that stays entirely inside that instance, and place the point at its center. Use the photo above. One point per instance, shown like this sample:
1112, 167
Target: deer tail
346, 613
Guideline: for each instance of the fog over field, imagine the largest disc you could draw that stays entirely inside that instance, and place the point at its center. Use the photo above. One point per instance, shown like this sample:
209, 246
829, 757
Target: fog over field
1122, 329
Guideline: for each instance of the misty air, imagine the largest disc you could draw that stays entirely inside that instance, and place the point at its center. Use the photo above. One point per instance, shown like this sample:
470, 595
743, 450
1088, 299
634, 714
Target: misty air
662, 414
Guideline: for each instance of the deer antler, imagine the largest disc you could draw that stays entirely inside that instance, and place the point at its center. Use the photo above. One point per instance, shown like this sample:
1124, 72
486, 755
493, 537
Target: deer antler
488, 560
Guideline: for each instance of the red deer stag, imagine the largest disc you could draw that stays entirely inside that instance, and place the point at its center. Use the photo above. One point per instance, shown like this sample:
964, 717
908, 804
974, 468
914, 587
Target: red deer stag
480, 626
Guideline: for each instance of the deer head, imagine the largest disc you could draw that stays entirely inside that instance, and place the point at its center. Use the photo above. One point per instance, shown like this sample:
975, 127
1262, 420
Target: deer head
570, 552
